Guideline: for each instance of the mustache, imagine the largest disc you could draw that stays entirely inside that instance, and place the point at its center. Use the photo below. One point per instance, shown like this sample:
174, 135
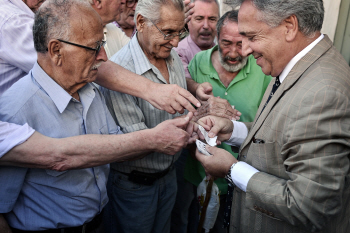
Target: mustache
228, 58
96, 66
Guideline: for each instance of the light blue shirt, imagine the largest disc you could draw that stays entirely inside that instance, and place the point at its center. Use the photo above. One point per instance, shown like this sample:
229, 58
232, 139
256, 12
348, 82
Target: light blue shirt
17, 53
39, 199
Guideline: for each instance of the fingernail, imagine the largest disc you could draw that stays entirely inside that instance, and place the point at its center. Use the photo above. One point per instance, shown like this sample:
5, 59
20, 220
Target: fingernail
198, 104
211, 135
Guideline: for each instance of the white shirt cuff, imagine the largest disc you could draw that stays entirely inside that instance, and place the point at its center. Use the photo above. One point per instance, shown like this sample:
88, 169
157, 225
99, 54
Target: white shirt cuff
239, 134
13, 135
241, 174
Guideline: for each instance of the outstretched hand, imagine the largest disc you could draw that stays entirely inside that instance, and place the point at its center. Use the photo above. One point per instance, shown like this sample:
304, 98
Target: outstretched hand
218, 164
170, 136
171, 98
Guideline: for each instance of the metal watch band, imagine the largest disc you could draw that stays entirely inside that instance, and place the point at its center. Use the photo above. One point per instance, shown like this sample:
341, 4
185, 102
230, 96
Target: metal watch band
228, 175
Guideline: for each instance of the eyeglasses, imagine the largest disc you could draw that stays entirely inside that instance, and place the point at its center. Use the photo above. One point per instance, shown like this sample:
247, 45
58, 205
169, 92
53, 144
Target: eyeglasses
97, 49
131, 3
170, 36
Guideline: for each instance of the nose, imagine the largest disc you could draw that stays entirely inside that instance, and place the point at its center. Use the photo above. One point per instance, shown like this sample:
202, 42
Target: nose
102, 55
175, 41
205, 23
246, 49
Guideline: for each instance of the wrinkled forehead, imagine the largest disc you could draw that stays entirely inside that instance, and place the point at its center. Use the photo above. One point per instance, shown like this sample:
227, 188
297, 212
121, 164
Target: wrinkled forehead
247, 18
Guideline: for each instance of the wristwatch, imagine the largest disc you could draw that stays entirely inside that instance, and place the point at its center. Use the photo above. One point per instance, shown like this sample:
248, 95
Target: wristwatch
228, 176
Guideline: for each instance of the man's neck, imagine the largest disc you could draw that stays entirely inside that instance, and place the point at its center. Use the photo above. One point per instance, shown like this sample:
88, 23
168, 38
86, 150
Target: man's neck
128, 31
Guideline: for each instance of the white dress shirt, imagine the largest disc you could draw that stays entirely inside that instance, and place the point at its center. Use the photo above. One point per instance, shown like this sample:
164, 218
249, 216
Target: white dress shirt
17, 53
12, 135
242, 172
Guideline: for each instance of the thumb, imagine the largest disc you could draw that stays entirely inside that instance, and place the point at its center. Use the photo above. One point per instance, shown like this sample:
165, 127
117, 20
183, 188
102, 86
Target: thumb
182, 122
214, 131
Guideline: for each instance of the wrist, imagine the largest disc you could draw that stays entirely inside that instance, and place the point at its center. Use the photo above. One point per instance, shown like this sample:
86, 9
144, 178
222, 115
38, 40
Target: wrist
228, 175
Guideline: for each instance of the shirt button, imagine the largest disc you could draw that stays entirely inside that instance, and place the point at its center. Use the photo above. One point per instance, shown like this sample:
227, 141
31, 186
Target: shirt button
97, 177
225, 93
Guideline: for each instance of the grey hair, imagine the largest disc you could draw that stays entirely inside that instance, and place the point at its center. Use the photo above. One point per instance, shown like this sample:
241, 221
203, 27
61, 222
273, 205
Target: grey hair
310, 13
52, 22
150, 9
209, 1
231, 16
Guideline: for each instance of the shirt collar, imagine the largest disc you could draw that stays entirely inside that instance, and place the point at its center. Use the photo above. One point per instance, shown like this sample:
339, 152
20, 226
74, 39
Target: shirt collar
297, 57
59, 96
193, 45
21, 5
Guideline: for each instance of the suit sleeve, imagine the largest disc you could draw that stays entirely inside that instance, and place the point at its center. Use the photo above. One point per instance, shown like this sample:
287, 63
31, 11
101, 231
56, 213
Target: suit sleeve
315, 154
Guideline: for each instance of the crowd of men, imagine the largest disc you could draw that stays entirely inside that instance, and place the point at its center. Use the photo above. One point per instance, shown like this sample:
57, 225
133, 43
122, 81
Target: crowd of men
120, 156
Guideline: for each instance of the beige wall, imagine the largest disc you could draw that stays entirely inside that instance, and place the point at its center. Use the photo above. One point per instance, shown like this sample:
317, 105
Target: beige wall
330, 19
331, 8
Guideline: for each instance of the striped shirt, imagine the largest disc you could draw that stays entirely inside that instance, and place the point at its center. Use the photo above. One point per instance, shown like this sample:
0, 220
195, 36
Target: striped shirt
17, 53
133, 114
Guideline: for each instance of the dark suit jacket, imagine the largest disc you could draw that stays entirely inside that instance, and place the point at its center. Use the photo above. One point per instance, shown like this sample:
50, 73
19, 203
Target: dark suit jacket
304, 183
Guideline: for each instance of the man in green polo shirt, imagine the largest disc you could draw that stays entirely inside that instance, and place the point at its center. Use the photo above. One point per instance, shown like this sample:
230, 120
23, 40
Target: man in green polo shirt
233, 77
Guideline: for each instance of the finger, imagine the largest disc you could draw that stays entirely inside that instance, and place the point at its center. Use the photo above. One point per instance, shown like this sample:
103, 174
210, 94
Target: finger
190, 99
168, 109
180, 122
214, 131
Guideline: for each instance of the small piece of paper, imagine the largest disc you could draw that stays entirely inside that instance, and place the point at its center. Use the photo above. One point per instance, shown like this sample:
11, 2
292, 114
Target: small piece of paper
201, 147
210, 141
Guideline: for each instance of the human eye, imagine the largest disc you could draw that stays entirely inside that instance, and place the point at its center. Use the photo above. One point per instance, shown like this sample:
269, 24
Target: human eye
199, 18
251, 38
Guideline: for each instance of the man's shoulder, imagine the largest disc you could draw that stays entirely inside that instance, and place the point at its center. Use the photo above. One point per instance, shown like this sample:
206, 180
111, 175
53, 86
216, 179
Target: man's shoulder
183, 44
123, 57
18, 96
9, 10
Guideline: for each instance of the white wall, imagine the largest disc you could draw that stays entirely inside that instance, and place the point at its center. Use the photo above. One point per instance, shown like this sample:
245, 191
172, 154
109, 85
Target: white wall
331, 8
330, 19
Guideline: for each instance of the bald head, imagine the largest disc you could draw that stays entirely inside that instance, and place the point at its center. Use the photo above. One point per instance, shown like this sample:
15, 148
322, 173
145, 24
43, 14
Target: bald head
54, 20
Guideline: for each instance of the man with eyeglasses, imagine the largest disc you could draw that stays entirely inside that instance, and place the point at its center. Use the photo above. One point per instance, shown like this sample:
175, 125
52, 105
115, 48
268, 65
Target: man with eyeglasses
125, 21
17, 57
58, 100
142, 192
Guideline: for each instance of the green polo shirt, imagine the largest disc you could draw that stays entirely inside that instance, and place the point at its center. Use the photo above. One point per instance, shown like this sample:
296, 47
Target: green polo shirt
244, 92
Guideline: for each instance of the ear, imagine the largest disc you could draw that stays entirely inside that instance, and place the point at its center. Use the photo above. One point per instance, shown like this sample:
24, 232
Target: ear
97, 4
140, 22
54, 51
292, 27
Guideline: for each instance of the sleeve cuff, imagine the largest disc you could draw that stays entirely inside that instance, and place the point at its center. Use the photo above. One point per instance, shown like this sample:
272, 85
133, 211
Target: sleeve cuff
239, 134
241, 174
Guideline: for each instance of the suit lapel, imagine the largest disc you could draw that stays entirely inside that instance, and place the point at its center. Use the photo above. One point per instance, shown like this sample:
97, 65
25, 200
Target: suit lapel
294, 75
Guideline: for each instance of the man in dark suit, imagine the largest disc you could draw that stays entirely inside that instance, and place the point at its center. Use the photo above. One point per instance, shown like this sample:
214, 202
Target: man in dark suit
292, 174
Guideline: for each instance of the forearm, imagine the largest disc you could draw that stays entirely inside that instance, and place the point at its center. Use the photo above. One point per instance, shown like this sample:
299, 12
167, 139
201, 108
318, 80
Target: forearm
78, 152
192, 86
4, 227
117, 78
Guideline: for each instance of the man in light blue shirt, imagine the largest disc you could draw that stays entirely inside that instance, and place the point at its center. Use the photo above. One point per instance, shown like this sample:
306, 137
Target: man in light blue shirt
57, 99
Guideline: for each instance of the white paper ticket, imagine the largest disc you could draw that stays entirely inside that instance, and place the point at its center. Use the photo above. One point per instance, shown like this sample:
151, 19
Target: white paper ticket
210, 141
201, 147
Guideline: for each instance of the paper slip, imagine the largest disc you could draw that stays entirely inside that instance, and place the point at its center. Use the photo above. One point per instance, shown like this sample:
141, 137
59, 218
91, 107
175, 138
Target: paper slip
201, 147
210, 141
